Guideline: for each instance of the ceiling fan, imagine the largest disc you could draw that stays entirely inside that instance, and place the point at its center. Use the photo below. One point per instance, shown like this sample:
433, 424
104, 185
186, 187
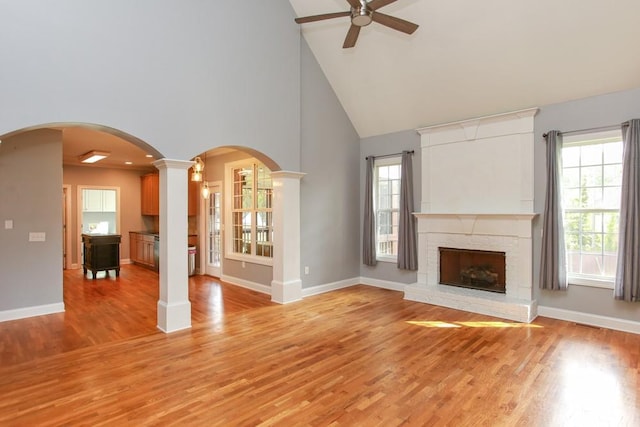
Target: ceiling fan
362, 13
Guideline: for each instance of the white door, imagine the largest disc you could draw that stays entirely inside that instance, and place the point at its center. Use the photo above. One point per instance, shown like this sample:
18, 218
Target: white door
213, 240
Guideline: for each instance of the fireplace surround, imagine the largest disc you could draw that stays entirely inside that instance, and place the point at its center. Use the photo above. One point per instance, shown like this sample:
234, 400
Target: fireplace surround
477, 195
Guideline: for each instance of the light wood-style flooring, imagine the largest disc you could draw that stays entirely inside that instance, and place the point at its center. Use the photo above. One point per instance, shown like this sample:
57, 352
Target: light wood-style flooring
360, 356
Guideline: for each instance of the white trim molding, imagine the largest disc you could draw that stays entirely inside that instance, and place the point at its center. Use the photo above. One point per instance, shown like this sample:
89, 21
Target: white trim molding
590, 319
254, 286
38, 310
383, 284
330, 287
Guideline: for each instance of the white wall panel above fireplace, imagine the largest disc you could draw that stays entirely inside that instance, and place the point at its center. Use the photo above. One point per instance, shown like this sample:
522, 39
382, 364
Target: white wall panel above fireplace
483, 165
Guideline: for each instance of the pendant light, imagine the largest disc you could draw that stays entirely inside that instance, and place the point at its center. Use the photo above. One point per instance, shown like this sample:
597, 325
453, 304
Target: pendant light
205, 185
198, 167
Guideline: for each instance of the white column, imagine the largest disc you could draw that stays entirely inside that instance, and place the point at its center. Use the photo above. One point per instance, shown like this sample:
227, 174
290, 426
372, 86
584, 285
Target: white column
174, 308
286, 285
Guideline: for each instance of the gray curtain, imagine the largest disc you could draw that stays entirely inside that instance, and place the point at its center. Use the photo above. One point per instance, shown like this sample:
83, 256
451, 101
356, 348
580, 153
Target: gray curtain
407, 253
627, 283
553, 262
369, 228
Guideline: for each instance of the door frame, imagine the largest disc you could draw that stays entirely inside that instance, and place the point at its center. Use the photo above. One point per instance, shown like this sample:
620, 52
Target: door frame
67, 227
78, 228
203, 226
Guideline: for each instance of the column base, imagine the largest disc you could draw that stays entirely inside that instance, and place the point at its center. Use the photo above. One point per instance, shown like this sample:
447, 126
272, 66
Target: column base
174, 317
284, 293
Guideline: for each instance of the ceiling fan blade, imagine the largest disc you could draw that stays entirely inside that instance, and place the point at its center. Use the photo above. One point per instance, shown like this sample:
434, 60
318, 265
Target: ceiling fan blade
354, 3
314, 18
377, 4
352, 37
395, 23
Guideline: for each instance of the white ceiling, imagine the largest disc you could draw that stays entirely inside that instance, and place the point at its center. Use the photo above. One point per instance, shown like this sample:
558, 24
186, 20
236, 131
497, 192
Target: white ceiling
471, 58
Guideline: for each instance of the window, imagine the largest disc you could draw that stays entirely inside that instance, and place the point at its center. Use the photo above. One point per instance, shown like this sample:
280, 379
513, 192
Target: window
251, 236
387, 206
591, 181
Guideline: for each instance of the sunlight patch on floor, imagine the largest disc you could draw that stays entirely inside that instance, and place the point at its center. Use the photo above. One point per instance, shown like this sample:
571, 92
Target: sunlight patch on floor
487, 324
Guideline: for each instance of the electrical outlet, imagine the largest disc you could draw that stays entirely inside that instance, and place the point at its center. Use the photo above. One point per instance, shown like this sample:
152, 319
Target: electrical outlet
243, 264
8, 224
39, 236
306, 269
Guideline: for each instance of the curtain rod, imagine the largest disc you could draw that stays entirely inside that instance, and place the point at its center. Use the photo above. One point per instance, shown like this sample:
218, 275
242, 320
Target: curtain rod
598, 129
388, 155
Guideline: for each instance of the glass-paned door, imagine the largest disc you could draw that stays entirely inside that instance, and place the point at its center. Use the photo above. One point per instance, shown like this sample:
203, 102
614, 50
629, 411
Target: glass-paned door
214, 231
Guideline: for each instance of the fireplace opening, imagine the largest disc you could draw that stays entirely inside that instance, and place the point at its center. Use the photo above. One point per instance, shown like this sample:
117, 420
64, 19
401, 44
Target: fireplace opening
475, 269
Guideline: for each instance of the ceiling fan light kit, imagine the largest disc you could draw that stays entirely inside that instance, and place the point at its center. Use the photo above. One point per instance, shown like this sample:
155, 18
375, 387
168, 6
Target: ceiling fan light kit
362, 13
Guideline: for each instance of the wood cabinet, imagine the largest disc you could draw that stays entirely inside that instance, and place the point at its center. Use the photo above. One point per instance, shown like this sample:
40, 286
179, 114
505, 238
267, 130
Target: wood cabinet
143, 249
150, 195
101, 253
194, 197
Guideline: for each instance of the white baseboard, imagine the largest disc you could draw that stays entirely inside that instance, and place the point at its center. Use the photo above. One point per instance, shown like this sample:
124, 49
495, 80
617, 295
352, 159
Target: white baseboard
39, 310
258, 287
590, 319
384, 284
321, 289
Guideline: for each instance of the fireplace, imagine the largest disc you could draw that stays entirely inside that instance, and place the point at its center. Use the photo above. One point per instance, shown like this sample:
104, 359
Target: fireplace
477, 196
474, 269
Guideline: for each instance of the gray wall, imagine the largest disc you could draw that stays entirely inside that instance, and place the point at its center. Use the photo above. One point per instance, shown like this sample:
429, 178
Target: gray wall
606, 110
378, 146
182, 76
330, 189
30, 195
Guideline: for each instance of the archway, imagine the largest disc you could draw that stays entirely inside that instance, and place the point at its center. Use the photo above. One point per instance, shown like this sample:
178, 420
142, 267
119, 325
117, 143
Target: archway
33, 160
253, 260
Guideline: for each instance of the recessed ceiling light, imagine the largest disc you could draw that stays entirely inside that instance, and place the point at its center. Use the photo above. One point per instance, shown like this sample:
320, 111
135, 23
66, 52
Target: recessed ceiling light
150, 156
94, 156
128, 163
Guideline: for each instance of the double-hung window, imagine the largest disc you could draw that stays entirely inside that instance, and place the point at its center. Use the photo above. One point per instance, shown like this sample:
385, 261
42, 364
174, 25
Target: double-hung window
591, 181
387, 207
250, 211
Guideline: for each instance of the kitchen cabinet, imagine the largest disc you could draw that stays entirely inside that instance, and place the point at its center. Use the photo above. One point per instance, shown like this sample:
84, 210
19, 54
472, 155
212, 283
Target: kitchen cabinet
143, 249
150, 195
194, 197
96, 200
101, 253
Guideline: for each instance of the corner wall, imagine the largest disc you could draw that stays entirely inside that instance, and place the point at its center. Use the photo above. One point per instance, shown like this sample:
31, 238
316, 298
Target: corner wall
378, 146
330, 189
31, 197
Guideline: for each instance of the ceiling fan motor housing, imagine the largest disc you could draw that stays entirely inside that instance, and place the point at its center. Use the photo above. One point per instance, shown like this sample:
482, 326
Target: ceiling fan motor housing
361, 16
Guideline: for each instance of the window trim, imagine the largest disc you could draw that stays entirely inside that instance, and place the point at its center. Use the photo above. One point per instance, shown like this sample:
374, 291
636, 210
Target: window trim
582, 139
228, 216
386, 161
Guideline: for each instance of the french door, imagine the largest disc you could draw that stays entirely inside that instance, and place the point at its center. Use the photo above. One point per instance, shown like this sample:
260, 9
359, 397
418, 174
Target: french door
213, 218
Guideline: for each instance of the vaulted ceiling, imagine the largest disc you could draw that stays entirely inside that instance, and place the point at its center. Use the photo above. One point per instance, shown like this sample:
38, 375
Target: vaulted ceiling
471, 58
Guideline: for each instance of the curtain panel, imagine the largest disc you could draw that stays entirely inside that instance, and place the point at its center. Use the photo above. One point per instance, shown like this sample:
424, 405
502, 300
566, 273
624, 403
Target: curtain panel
369, 222
407, 247
627, 282
553, 261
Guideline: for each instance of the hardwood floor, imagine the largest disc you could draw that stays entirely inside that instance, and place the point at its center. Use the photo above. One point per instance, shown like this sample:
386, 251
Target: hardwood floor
358, 356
